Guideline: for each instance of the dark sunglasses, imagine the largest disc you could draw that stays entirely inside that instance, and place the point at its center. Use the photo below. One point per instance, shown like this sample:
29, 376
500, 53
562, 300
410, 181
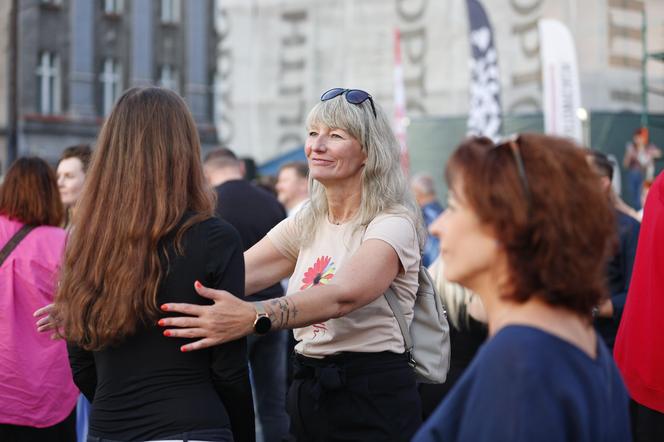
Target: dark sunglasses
353, 96
513, 145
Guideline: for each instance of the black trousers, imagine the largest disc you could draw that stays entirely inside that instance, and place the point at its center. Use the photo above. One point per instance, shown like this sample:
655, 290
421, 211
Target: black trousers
64, 431
647, 424
354, 397
212, 434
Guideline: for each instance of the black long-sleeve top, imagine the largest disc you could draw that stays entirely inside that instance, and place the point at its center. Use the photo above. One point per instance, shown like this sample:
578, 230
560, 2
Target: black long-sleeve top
253, 212
144, 388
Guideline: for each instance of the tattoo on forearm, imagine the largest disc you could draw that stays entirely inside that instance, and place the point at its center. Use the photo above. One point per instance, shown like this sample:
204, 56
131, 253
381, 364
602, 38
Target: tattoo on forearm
281, 311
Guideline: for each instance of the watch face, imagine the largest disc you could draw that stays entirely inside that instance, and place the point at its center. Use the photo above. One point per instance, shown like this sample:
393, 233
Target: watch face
262, 325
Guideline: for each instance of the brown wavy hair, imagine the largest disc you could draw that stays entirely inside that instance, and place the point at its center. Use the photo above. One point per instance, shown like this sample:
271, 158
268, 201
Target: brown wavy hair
29, 193
555, 224
145, 175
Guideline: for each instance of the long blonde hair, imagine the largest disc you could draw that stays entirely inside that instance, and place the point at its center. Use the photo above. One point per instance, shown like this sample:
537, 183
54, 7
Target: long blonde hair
145, 175
384, 186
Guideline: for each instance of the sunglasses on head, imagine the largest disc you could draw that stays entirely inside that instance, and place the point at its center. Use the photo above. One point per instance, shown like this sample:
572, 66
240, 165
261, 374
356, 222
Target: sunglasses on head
513, 145
353, 96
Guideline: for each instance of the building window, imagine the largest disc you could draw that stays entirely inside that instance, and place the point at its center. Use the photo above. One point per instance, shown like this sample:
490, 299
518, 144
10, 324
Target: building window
49, 76
111, 80
168, 78
56, 3
113, 7
170, 11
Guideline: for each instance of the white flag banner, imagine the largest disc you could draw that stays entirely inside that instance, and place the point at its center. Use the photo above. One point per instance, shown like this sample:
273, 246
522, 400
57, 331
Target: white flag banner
561, 97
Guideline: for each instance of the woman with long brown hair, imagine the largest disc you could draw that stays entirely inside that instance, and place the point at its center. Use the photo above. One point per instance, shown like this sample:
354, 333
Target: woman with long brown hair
146, 233
37, 395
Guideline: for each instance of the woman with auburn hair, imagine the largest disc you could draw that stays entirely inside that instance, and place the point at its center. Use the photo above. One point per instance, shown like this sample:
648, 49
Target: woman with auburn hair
528, 230
37, 395
143, 232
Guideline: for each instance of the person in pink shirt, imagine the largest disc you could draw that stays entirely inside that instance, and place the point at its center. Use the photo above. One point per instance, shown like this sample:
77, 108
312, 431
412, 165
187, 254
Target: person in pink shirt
37, 393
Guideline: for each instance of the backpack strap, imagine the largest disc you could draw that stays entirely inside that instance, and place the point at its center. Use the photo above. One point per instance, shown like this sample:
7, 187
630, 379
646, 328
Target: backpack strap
13, 242
391, 298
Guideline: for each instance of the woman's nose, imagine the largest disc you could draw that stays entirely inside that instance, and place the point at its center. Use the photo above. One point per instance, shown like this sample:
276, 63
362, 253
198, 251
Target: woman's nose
319, 144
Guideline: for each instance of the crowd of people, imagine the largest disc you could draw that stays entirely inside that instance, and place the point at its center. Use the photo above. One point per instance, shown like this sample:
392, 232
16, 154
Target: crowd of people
176, 300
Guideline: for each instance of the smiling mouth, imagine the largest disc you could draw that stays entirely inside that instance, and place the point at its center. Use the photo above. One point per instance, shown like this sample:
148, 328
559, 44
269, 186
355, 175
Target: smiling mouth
320, 161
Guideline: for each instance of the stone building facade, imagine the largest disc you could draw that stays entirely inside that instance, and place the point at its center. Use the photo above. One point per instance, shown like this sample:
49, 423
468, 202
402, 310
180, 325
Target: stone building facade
76, 57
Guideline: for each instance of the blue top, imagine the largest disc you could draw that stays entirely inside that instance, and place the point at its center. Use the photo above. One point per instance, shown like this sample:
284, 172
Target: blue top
528, 385
430, 212
619, 273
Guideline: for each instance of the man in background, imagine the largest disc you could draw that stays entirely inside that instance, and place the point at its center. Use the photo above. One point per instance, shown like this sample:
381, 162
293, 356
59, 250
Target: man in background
423, 188
293, 186
253, 212
619, 269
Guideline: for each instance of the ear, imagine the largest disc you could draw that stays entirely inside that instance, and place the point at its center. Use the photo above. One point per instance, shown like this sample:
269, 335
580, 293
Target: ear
606, 184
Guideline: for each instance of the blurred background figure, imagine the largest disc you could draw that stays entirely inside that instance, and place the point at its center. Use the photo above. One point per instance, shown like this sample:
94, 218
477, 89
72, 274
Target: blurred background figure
639, 349
254, 212
72, 167
293, 186
468, 329
37, 395
423, 187
535, 253
249, 169
268, 183
639, 160
619, 269
647, 184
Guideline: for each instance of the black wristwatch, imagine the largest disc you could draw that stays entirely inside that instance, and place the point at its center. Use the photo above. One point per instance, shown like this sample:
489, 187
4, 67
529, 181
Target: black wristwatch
262, 323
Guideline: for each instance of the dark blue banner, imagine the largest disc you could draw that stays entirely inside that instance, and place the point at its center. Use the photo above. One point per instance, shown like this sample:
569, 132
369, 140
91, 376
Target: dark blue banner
485, 113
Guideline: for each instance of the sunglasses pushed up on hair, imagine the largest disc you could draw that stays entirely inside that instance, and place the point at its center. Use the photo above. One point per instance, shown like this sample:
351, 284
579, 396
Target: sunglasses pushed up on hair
512, 143
353, 96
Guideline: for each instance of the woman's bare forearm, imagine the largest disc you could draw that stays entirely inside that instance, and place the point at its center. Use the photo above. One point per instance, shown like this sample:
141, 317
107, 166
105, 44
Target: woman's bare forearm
282, 311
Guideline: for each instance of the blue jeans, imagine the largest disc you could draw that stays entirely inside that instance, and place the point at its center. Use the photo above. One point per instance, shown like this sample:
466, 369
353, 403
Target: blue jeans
634, 187
268, 359
82, 417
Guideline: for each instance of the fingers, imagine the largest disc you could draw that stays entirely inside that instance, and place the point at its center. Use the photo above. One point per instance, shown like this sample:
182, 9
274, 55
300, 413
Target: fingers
185, 333
208, 292
46, 320
198, 345
44, 310
46, 327
187, 309
181, 321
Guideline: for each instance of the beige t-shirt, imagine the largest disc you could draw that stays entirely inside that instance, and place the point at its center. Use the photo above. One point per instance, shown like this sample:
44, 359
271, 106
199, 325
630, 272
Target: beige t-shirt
373, 327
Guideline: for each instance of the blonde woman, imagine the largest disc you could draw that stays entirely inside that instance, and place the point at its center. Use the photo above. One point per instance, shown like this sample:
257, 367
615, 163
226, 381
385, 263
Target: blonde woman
360, 234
